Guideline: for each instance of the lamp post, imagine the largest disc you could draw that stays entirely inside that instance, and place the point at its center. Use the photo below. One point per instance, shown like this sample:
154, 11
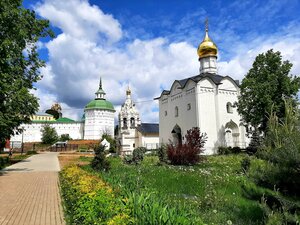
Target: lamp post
22, 144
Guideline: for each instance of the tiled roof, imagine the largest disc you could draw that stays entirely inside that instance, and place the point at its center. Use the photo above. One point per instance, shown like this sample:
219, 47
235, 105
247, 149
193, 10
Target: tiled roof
148, 128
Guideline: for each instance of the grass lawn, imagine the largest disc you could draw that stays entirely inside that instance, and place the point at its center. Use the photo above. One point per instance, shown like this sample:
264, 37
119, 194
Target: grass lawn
15, 158
212, 189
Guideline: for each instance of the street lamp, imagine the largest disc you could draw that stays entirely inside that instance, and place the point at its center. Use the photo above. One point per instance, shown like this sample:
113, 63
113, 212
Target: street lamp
22, 144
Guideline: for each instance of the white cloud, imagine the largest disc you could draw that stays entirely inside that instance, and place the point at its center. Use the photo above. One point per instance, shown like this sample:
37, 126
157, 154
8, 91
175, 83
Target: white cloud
78, 57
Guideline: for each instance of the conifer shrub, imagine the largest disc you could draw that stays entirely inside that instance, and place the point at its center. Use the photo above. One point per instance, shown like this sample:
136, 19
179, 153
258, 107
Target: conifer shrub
100, 162
137, 156
162, 154
189, 152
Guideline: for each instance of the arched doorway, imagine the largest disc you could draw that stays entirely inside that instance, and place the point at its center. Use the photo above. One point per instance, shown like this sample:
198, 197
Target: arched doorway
232, 134
177, 135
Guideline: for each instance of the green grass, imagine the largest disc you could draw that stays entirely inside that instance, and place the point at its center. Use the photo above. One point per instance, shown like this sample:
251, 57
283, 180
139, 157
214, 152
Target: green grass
213, 188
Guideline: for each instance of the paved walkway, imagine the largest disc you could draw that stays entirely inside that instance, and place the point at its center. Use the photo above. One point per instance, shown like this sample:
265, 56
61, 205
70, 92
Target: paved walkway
29, 192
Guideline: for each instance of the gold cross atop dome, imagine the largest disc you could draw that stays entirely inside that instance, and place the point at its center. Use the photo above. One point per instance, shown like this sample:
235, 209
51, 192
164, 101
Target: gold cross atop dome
207, 47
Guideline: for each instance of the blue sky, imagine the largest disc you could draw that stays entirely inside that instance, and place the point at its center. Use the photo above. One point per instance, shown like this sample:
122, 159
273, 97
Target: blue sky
148, 44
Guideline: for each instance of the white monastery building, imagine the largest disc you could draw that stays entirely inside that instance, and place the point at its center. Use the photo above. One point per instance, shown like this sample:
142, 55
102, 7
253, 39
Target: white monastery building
98, 118
207, 101
131, 132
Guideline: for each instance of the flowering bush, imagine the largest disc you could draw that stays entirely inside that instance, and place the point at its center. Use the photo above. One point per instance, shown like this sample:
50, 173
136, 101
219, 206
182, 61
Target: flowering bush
89, 200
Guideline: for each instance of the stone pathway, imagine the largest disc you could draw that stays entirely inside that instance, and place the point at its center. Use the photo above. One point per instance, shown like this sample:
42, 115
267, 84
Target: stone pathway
29, 192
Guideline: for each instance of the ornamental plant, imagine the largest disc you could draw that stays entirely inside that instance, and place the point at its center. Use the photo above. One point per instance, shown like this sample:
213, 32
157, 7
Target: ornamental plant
189, 152
100, 162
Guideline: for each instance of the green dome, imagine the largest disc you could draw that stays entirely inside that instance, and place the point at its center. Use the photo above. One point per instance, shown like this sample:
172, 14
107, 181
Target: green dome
100, 104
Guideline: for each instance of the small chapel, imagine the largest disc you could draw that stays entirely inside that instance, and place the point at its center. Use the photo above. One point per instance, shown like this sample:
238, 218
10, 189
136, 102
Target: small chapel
205, 100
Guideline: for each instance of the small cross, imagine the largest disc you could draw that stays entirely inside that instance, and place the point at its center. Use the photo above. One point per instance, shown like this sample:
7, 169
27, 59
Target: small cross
206, 24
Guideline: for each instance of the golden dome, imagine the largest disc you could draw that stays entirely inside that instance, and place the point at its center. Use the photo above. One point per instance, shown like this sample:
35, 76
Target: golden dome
207, 47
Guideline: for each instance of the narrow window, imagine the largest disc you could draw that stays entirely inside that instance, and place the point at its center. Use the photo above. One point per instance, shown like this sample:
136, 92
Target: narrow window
166, 113
176, 111
229, 107
189, 106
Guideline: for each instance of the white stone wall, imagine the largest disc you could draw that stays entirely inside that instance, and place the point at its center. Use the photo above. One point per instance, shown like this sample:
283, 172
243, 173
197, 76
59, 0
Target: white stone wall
98, 122
128, 139
32, 132
149, 141
186, 118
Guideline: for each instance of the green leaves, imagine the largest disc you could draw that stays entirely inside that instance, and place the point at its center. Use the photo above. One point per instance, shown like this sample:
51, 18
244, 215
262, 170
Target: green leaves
264, 86
19, 63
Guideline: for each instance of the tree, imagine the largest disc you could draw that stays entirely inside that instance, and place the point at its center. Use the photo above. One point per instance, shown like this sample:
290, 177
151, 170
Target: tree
265, 86
49, 134
19, 64
65, 137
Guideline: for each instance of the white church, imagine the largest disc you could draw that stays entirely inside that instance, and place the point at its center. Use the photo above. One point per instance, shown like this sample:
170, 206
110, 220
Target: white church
207, 101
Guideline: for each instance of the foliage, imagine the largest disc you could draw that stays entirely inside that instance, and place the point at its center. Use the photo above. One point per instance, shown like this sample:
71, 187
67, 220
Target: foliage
112, 142
19, 64
49, 134
136, 157
228, 150
147, 208
162, 154
282, 151
4, 161
255, 143
245, 164
210, 190
65, 137
263, 87
89, 200
189, 152
100, 162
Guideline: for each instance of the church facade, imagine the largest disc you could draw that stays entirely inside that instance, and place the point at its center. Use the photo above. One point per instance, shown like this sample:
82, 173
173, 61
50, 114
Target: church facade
206, 100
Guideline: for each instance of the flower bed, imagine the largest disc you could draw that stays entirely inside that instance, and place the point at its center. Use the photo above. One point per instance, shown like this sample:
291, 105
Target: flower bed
89, 200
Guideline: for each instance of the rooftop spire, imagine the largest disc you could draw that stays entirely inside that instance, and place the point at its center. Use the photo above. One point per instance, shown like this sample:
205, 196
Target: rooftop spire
100, 93
100, 84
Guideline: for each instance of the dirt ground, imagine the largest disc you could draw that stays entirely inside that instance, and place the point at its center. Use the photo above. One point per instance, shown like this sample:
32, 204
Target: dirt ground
67, 158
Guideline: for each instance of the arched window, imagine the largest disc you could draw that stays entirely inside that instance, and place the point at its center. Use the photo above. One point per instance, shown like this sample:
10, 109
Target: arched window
125, 123
229, 107
176, 111
132, 122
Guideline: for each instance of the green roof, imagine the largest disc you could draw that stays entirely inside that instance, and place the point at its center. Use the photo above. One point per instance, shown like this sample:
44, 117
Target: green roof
60, 120
100, 104
64, 120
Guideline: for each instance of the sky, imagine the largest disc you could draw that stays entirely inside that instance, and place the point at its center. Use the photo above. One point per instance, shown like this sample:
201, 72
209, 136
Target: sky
149, 44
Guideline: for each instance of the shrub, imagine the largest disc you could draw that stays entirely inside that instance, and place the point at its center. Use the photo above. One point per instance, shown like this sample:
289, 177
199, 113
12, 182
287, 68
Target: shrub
65, 137
136, 157
245, 164
32, 152
189, 152
100, 162
162, 154
112, 142
282, 151
138, 154
224, 150
4, 161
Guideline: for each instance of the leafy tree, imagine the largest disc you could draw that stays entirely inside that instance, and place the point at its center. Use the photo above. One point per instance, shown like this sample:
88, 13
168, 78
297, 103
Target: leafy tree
49, 134
19, 64
264, 86
65, 137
